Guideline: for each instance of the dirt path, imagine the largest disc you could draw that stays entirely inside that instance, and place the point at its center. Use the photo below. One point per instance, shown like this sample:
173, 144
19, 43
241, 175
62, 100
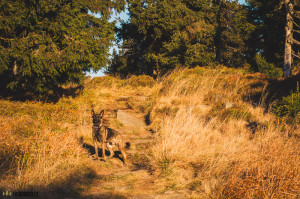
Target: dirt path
135, 180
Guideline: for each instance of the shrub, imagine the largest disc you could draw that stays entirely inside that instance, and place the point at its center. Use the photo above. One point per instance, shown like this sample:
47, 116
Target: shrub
133, 81
267, 68
141, 80
288, 107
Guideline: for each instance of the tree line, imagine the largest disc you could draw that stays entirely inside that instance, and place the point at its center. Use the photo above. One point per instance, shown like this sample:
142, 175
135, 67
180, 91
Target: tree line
48, 43
161, 35
45, 44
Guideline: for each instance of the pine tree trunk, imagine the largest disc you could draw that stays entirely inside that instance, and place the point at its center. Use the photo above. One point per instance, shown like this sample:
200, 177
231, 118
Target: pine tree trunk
287, 65
218, 37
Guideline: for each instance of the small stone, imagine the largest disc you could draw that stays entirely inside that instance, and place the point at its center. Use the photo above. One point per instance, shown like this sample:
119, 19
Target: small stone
129, 120
228, 105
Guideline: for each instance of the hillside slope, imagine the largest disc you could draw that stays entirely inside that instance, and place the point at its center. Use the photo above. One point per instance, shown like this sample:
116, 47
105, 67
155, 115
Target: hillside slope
208, 134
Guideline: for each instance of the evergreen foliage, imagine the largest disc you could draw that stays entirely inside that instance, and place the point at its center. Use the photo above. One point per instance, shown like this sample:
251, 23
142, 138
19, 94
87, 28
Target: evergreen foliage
161, 35
268, 38
164, 34
267, 68
44, 44
289, 107
233, 31
269, 18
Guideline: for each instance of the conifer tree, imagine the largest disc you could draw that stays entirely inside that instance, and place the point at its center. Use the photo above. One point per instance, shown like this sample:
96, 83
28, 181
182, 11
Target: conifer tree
233, 30
161, 35
164, 34
277, 34
47, 43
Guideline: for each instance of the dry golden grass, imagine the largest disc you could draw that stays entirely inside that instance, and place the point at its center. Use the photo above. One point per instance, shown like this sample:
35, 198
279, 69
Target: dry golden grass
214, 151
41, 143
39, 147
202, 147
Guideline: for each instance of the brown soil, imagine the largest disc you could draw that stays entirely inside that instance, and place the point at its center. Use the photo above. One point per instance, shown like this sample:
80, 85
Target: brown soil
136, 179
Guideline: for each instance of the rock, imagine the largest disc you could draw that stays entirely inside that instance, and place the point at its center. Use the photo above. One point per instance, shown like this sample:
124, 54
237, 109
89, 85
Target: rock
129, 120
228, 105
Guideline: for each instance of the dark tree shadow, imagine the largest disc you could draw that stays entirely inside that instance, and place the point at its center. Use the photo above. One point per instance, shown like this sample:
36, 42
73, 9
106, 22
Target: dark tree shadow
73, 186
147, 119
278, 89
92, 152
275, 90
50, 97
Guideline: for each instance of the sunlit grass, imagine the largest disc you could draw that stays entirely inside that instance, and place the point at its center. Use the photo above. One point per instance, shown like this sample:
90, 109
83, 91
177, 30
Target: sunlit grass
235, 152
203, 146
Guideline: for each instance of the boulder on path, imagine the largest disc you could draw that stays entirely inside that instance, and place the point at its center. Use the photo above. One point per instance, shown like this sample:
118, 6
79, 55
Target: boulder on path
130, 120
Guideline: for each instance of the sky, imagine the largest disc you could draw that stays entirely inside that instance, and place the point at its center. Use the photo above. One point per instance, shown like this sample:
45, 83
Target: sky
123, 16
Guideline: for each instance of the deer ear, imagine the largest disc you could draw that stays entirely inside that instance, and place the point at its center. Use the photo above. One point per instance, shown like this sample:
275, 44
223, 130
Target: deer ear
93, 113
102, 113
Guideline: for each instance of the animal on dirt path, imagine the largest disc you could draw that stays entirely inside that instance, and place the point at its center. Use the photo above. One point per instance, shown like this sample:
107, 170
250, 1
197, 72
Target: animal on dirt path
109, 138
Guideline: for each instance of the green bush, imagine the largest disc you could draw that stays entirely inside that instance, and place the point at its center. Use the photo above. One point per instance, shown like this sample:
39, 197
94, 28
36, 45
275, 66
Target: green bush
267, 68
235, 113
289, 107
133, 81
140, 80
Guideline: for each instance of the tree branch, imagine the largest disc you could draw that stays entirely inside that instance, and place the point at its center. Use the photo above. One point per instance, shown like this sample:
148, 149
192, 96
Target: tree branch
296, 55
297, 31
5, 39
280, 6
296, 24
295, 41
296, 14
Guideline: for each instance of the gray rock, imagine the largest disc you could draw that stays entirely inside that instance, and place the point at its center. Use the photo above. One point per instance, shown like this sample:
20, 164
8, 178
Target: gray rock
129, 120
228, 105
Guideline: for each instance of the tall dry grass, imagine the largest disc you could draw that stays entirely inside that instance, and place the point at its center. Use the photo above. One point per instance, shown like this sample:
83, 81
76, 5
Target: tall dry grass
39, 148
214, 151
41, 143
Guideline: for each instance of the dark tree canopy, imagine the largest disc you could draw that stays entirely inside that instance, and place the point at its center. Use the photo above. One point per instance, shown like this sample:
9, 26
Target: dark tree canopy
233, 31
46, 43
161, 35
269, 38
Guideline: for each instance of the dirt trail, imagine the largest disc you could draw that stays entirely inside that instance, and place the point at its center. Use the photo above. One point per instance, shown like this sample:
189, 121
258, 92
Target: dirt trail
135, 180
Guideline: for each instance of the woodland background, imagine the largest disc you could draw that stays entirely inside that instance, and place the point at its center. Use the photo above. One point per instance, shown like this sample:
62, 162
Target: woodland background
46, 44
